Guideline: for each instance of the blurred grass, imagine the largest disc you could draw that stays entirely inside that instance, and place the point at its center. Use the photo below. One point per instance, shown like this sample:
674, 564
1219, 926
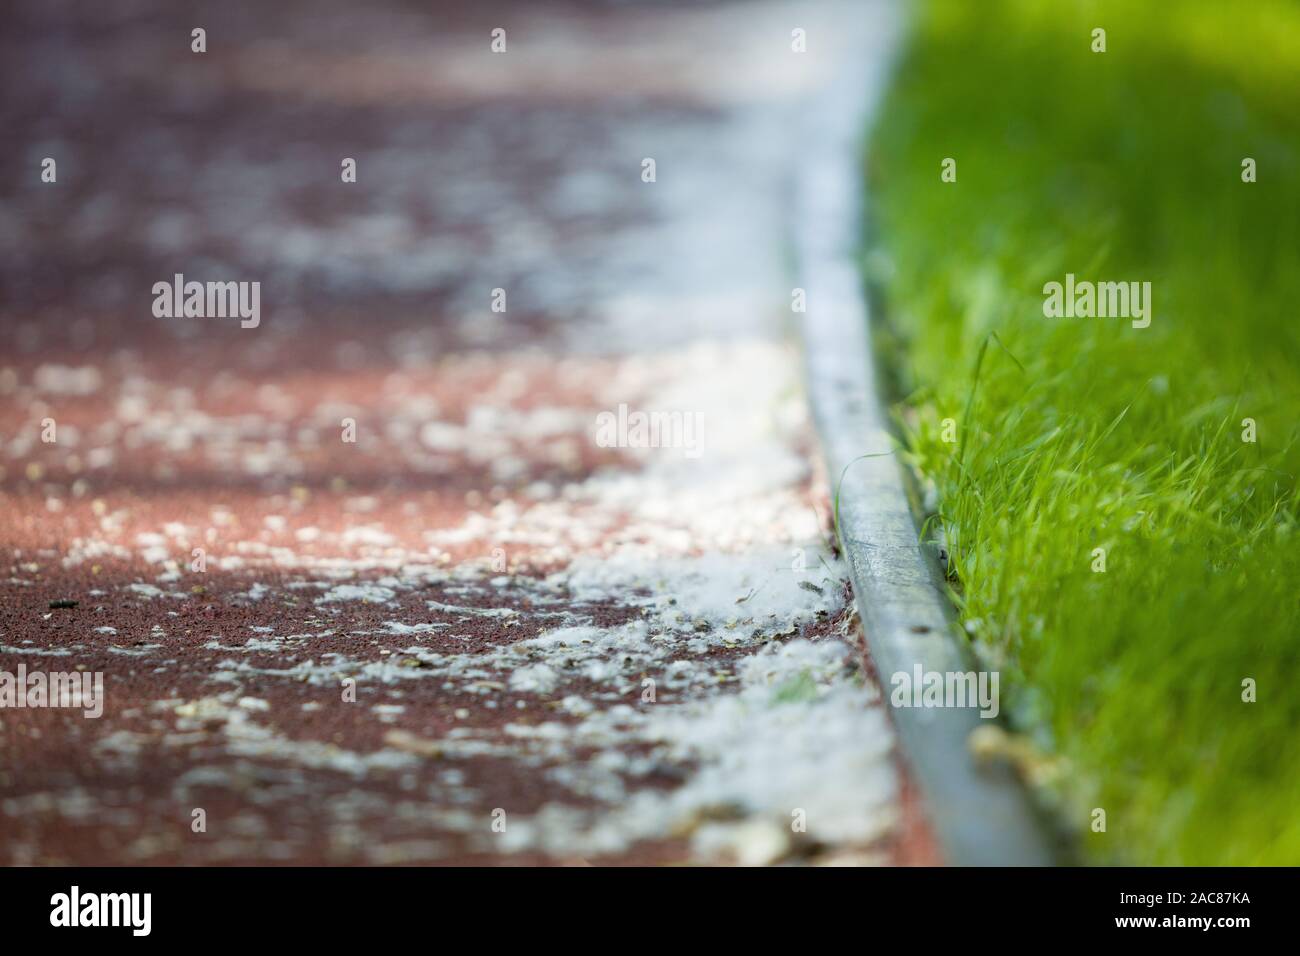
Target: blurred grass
1123, 165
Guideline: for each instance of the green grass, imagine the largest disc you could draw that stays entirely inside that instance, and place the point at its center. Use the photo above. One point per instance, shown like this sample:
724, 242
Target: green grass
1083, 433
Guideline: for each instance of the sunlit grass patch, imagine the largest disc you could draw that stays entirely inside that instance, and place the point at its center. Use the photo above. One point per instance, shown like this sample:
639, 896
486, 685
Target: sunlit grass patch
1079, 434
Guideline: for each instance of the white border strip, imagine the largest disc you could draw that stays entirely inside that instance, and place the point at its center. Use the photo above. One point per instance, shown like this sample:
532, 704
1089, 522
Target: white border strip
981, 814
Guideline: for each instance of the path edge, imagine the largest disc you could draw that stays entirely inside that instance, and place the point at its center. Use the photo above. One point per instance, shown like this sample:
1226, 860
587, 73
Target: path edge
981, 812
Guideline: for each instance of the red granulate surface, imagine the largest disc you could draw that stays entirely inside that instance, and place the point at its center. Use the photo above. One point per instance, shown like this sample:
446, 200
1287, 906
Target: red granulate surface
176, 435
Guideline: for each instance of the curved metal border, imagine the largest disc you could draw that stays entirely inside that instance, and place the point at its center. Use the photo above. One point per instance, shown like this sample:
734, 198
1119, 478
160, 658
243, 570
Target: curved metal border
980, 812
